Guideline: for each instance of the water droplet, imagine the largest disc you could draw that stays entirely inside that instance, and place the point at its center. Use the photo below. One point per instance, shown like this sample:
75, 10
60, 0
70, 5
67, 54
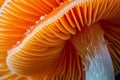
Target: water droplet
18, 42
28, 31
31, 27
37, 22
42, 17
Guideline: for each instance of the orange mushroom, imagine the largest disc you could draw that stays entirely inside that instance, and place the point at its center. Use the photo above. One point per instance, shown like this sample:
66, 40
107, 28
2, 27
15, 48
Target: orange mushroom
59, 40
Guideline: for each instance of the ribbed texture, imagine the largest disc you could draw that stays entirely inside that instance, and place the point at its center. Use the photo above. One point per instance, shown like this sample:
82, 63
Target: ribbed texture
68, 66
16, 17
42, 46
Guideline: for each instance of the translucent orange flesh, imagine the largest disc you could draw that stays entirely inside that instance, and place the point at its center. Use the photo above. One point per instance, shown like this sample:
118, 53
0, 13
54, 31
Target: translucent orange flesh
39, 34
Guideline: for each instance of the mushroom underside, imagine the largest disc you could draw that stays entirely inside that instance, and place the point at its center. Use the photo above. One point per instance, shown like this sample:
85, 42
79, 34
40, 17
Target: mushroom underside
77, 40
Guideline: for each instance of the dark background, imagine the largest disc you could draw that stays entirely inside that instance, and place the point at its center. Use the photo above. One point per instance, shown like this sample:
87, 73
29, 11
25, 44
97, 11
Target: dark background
117, 77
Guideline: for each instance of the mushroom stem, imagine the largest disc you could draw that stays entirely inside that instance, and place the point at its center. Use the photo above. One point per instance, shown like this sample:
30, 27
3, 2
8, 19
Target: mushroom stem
92, 48
100, 67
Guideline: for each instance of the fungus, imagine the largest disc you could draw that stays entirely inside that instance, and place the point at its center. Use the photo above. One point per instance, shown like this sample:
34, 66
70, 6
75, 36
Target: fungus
60, 39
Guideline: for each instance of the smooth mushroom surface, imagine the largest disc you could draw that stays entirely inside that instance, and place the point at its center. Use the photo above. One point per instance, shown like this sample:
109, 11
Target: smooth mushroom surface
59, 39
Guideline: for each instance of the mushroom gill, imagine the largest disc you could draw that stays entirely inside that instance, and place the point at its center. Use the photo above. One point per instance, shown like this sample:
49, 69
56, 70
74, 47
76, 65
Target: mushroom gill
14, 27
60, 40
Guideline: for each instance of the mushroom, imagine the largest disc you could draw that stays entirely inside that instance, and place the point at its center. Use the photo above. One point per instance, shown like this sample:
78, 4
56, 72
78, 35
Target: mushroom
60, 39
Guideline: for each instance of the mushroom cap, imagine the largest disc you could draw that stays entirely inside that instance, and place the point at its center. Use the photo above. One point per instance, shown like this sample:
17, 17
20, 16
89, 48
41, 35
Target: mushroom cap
38, 33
